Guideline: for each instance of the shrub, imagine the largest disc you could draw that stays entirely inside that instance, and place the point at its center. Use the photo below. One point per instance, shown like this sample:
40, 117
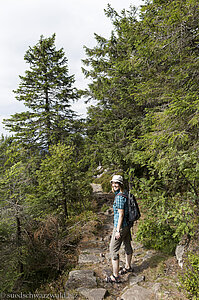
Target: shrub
158, 236
189, 280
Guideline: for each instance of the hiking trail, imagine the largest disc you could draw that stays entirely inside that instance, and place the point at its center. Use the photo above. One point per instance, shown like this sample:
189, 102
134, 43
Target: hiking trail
154, 276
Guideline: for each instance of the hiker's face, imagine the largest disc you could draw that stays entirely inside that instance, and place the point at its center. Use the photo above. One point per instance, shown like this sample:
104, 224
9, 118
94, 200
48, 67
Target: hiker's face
115, 186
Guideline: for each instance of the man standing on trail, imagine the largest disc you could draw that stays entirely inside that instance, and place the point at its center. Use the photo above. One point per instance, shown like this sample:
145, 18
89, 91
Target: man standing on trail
121, 232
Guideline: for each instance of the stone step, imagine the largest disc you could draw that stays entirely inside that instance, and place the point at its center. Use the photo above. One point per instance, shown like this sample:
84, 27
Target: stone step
137, 293
93, 294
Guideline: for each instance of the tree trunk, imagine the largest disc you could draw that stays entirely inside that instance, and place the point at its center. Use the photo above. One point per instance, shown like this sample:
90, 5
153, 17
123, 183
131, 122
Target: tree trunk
48, 124
65, 208
65, 200
19, 244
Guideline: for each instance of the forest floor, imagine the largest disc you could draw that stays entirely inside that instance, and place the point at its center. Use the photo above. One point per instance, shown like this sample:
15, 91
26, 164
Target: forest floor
155, 273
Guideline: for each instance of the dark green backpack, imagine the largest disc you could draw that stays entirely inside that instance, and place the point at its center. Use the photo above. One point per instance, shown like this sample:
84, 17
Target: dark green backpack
133, 208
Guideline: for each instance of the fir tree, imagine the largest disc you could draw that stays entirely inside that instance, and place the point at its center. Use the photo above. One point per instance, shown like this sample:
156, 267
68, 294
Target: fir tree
46, 90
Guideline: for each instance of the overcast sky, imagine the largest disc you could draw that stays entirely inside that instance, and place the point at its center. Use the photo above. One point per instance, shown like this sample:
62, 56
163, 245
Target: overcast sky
22, 22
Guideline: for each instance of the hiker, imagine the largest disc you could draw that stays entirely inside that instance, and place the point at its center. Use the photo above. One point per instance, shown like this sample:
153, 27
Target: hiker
121, 232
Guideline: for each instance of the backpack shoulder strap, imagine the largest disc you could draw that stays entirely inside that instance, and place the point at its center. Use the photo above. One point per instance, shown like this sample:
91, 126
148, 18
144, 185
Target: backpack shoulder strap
122, 194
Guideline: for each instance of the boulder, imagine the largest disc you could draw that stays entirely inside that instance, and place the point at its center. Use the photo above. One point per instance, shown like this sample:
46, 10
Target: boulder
136, 279
81, 278
138, 293
180, 249
97, 188
93, 294
89, 259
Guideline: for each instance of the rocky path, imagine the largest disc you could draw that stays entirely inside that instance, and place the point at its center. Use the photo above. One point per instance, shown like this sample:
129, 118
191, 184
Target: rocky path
154, 275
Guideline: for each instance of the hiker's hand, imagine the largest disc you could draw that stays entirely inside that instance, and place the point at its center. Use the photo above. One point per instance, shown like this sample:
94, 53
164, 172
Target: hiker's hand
117, 235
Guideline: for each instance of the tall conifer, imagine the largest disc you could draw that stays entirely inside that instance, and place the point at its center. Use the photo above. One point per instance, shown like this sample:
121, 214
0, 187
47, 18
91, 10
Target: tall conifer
46, 90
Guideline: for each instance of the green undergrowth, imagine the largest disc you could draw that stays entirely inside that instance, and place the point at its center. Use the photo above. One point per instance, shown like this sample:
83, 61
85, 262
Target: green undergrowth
189, 277
158, 236
104, 208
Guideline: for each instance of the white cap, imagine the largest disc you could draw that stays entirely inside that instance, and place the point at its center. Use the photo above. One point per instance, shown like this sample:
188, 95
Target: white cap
117, 178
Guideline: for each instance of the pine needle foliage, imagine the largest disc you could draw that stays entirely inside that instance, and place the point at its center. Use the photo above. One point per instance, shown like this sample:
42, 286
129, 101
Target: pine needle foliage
47, 92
